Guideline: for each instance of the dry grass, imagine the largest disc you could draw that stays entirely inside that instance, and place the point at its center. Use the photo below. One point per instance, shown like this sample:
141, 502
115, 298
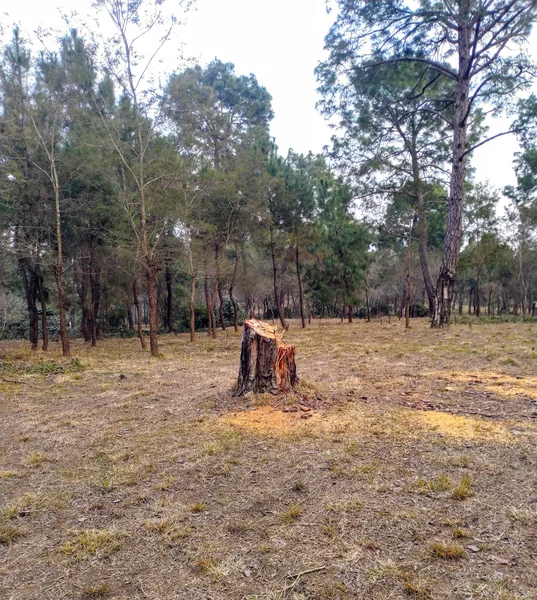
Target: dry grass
407, 473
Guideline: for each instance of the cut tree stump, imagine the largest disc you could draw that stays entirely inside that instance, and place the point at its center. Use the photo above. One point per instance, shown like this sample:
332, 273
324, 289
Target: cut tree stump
267, 364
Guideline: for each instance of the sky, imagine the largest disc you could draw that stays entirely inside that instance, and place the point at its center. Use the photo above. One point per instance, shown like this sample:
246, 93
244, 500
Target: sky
280, 42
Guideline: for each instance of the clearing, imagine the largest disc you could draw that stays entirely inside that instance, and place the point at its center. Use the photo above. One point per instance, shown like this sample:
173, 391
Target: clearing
404, 467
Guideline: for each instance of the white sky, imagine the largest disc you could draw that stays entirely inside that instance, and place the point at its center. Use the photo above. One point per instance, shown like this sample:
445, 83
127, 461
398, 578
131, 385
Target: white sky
280, 42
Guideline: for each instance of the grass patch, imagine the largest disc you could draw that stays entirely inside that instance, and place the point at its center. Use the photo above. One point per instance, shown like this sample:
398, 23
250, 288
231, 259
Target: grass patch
92, 542
99, 591
291, 515
36, 459
9, 535
166, 483
463, 489
448, 551
41, 367
442, 484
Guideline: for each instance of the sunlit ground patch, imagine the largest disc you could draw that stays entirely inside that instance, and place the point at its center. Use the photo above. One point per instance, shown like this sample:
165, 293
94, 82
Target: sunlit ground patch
457, 426
496, 383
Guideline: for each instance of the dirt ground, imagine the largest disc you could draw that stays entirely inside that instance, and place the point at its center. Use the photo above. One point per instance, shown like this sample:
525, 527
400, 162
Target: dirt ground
403, 467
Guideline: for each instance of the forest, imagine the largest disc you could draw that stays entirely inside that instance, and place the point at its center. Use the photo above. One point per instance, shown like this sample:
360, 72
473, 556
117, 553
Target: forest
229, 372
129, 206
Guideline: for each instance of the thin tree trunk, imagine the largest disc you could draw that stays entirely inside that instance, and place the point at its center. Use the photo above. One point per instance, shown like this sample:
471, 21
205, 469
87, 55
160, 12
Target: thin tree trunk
478, 292
300, 291
43, 301
151, 270
83, 294
231, 286
169, 299
207, 302
283, 274
95, 278
58, 270
130, 320
138, 309
218, 288
407, 303
367, 307
423, 235
192, 297
275, 279
28, 279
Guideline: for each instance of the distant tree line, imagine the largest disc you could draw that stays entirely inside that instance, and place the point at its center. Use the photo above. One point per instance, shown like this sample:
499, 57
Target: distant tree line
128, 205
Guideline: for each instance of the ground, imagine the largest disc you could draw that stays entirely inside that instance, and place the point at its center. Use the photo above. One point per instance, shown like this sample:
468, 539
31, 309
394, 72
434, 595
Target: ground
403, 467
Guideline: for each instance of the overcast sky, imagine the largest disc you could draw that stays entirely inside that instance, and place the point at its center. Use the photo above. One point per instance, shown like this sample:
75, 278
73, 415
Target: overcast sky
280, 42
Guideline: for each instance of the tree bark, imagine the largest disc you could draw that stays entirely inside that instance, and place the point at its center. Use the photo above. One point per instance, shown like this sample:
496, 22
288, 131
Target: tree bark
453, 237
151, 270
218, 288
423, 240
266, 364
41, 294
232, 298
95, 279
58, 270
28, 279
300, 291
83, 294
138, 309
130, 320
275, 280
169, 299
283, 290
478, 292
367, 307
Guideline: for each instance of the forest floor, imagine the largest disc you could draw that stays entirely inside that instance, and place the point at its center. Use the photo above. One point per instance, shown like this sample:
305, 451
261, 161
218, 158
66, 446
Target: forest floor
404, 467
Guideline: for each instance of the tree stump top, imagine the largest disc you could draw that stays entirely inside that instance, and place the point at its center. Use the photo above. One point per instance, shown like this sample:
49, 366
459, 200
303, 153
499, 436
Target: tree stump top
264, 329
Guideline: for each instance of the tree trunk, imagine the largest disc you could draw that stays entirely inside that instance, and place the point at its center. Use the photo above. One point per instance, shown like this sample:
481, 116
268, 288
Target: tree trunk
169, 299
453, 236
130, 320
43, 301
275, 280
138, 308
407, 303
192, 295
208, 302
28, 279
232, 298
58, 271
478, 293
266, 364
151, 270
349, 308
95, 279
218, 288
367, 307
281, 301
300, 291
423, 235
83, 294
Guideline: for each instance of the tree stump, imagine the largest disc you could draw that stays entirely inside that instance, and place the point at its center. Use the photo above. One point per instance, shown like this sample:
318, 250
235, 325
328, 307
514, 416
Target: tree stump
267, 364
